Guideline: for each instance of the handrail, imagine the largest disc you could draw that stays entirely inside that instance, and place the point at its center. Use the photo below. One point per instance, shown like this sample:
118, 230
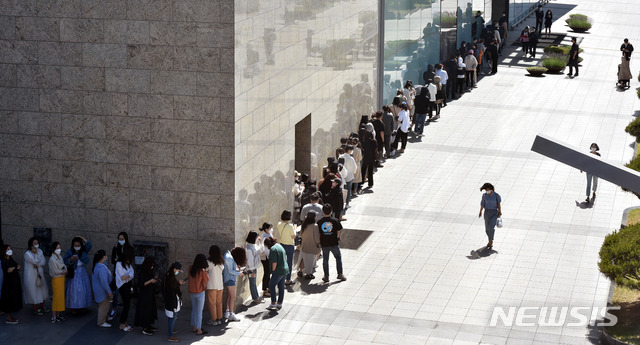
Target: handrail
525, 14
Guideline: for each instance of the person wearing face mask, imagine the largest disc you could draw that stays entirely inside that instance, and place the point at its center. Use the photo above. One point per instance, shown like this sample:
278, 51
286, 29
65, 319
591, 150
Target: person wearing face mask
492, 210
123, 248
590, 178
78, 287
146, 310
267, 231
101, 289
35, 287
57, 270
11, 299
172, 298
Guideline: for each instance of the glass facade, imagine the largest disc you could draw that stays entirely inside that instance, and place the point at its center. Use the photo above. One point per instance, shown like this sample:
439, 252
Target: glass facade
519, 9
418, 33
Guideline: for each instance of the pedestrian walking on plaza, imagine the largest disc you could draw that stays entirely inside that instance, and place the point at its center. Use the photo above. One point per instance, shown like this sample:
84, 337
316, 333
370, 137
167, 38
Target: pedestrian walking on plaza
146, 310
573, 57
78, 286
329, 230
492, 210
524, 40
267, 232
286, 234
548, 20
198, 280
533, 43
215, 286
626, 48
279, 270
57, 270
35, 287
590, 177
310, 247
101, 287
172, 298
11, 299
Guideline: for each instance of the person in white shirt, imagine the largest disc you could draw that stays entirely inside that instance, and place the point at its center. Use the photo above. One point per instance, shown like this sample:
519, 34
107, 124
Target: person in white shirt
124, 278
352, 169
403, 127
433, 89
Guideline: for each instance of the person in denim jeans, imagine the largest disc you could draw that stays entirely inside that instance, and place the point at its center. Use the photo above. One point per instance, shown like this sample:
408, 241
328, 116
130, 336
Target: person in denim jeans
234, 258
329, 229
172, 298
285, 233
198, 280
590, 177
253, 262
279, 271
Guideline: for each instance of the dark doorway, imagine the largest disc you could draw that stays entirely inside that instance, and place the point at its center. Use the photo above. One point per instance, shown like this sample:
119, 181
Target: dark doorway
303, 145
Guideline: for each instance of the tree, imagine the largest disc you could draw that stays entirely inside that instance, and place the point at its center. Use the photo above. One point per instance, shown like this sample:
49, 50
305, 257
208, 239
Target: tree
620, 256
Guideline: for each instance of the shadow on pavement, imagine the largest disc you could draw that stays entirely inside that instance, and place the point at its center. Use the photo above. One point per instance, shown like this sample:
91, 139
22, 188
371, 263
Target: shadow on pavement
481, 252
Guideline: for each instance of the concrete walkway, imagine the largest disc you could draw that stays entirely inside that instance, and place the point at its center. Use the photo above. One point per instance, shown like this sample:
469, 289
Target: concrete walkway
421, 275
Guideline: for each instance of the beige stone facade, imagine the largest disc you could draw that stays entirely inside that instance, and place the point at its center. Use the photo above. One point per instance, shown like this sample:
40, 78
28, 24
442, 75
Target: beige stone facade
172, 120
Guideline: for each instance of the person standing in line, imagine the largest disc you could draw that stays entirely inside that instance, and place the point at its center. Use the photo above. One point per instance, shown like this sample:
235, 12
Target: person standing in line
215, 285
267, 230
626, 48
493, 53
548, 20
334, 197
444, 78
286, 234
357, 157
369, 146
279, 270
422, 107
124, 281
590, 177
233, 259
101, 287
253, 262
387, 119
35, 287
78, 294
329, 229
146, 310
198, 280
539, 20
11, 299
403, 127
172, 298
432, 91
439, 95
123, 247
352, 169
472, 63
57, 271
378, 127
492, 210
481, 48
573, 57
310, 247
460, 76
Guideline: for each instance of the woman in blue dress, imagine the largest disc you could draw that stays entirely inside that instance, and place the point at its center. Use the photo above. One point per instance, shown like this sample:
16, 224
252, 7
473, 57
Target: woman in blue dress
492, 210
78, 287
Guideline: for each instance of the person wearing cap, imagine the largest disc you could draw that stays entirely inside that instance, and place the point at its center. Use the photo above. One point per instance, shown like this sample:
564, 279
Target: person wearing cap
626, 48
172, 297
471, 63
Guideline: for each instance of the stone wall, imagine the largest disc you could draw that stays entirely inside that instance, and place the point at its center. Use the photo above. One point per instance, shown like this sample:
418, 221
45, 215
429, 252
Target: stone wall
117, 115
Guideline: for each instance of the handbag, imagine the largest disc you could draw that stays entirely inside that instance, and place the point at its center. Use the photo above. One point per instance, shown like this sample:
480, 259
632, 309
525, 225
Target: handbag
39, 281
499, 223
70, 271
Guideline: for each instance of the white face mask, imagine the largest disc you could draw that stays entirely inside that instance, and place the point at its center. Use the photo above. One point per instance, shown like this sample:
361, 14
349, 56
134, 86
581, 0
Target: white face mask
121, 243
487, 191
9, 252
77, 248
58, 251
593, 148
36, 246
176, 272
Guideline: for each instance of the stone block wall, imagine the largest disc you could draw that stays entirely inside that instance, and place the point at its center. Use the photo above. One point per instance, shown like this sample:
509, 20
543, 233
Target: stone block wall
118, 115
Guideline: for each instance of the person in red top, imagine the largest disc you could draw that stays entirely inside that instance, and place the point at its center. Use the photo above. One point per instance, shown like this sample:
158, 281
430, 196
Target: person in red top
198, 280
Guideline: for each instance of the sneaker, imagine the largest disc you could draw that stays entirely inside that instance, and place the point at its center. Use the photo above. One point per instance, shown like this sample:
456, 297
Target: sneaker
146, 332
279, 306
112, 313
226, 314
258, 300
215, 323
233, 317
54, 320
11, 322
272, 306
61, 318
173, 339
341, 277
38, 312
127, 329
325, 279
289, 282
105, 325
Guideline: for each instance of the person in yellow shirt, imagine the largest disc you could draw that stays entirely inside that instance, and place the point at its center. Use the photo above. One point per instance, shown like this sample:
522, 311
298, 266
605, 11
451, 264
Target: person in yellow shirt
285, 233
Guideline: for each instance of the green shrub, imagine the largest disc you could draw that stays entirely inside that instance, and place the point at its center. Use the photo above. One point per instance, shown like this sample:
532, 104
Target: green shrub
620, 257
576, 16
554, 63
536, 70
638, 93
579, 25
633, 127
555, 49
638, 80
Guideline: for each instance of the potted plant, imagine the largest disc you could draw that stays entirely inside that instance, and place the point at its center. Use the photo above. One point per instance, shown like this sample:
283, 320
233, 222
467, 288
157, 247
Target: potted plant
579, 25
536, 71
554, 65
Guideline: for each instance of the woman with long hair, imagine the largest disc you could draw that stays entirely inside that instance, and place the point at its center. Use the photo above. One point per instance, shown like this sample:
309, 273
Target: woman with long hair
57, 271
78, 294
215, 287
310, 247
122, 248
233, 259
146, 310
492, 210
267, 232
253, 262
198, 280
172, 298
11, 299
35, 287
124, 281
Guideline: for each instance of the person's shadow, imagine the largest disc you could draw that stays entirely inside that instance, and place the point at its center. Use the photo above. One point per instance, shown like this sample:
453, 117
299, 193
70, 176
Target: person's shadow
585, 205
481, 252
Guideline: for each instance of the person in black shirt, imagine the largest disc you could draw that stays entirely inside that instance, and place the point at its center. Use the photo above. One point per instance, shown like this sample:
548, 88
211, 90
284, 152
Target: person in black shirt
330, 228
626, 48
378, 126
573, 57
539, 20
369, 148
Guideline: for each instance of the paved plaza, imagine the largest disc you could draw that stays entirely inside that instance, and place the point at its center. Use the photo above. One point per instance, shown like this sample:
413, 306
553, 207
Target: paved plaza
421, 276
